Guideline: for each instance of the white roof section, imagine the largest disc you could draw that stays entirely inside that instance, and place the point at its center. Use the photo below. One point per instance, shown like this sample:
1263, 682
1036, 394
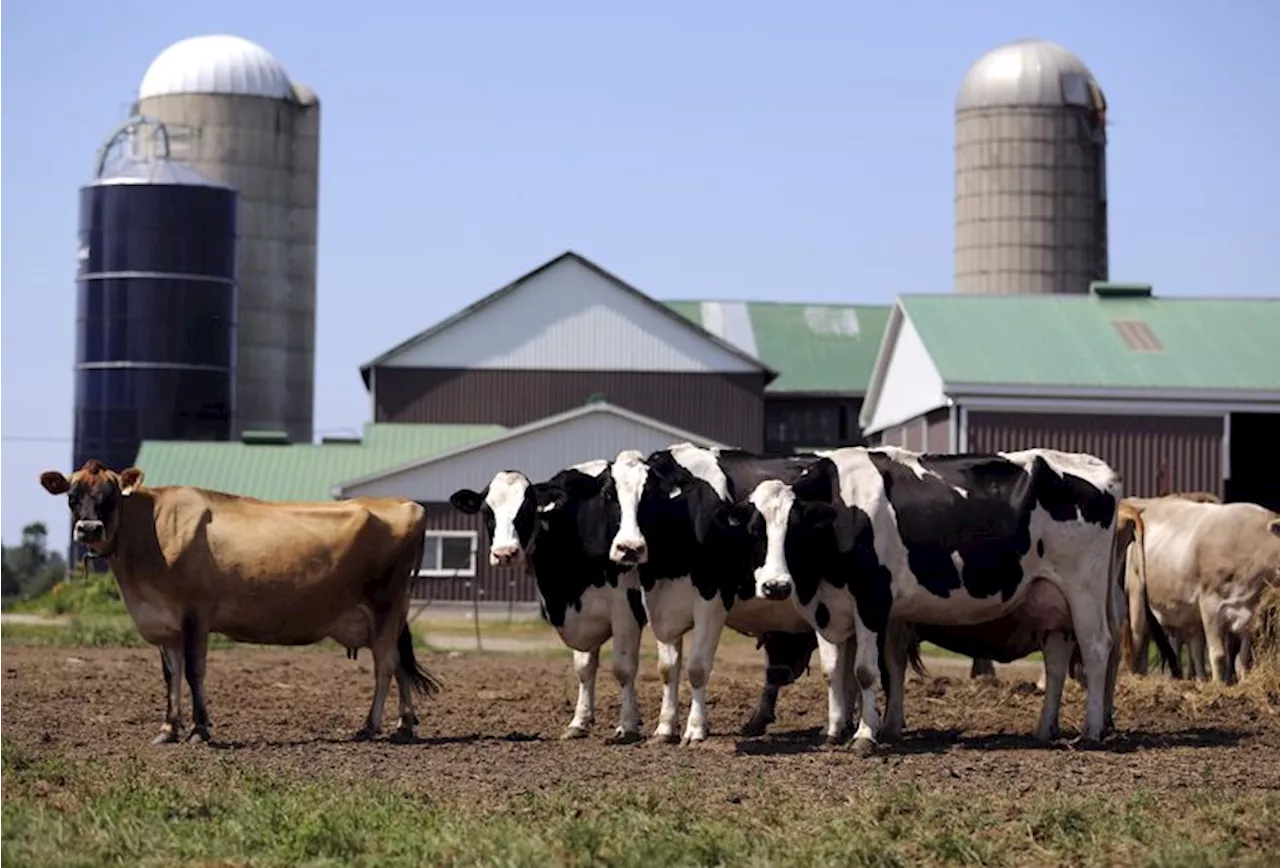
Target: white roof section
1029, 72
906, 383
540, 450
569, 314
216, 64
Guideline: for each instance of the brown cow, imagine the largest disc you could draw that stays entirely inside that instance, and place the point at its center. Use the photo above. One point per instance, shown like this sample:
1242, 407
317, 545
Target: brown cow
191, 562
1206, 567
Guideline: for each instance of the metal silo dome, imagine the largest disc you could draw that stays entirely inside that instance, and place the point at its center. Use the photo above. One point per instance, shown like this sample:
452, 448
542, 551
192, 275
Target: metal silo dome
1030, 163
1029, 72
216, 64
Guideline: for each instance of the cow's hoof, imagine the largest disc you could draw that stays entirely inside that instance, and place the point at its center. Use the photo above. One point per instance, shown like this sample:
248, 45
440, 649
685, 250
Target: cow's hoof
1048, 736
403, 735
199, 735
364, 733
863, 747
621, 736
1086, 742
693, 739
168, 735
755, 727
664, 738
572, 732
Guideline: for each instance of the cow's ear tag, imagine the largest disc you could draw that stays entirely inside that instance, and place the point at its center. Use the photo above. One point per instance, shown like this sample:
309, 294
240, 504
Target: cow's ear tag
548, 507
675, 492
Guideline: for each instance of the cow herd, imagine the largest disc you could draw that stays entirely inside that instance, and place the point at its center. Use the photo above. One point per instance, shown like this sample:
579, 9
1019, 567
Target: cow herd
861, 553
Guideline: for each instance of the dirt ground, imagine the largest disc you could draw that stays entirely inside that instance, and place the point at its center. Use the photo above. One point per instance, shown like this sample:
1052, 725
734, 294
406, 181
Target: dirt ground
493, 733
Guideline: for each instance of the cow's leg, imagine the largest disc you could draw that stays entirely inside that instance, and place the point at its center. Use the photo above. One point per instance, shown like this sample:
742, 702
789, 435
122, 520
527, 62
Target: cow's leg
896, 643
585, 665
1215, 637
832, 655
1094, 641
626, 663
865, 645
1197, 668
765, 713
195, 649
1057, 660
670, 657
172, 664
709, 618
1244, 655
982, 668
386, 659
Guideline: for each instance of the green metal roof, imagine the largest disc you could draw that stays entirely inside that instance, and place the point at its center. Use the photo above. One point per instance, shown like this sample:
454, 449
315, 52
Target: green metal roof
1127, 340
814, 347
302, 471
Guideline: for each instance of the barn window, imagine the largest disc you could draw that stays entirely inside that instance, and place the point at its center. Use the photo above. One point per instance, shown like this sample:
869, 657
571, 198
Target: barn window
449, 553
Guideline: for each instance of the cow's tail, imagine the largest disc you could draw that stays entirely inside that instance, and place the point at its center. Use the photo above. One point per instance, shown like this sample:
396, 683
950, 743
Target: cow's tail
1137, 549
423, 681
913, 656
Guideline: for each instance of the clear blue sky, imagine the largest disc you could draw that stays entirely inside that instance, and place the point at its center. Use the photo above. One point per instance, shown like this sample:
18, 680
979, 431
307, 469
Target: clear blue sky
713, 149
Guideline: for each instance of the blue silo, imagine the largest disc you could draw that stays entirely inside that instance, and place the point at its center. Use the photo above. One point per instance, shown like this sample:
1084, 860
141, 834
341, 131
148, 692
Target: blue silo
156, 301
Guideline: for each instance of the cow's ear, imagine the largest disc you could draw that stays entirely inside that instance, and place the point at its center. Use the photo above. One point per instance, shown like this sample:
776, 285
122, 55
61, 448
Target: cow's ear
1274, 527
734, 515
54, 482
819, 515
549, 497
466, 500
583, 486
130, 481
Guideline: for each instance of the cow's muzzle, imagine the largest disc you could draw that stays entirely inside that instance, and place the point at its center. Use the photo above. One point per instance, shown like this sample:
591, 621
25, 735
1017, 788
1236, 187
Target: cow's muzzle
88, 532
630, 552
503, 556
775, 589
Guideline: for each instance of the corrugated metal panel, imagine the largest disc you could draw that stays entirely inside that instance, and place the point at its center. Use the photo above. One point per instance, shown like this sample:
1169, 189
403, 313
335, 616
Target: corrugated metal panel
570, 317
306, 471
539, 454
1207, 343
814, 347
727, 408
1153, 454
938, 438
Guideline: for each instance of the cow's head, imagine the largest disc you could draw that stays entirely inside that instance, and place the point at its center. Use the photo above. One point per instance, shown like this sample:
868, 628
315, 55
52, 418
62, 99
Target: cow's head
515, 509
94, 495
791, 537
629, 474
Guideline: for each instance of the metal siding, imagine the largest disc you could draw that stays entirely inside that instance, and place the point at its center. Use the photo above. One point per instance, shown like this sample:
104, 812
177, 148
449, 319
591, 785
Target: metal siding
1030, 200
268, 150
495, 584
938, 438
1152, 453
728, 408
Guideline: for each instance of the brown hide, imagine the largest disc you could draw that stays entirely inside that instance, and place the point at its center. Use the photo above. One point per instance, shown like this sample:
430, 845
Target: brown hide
277, 573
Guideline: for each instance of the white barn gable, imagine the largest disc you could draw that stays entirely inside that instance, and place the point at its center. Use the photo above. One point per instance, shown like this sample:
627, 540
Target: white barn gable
539, 450
906, 383
569, 316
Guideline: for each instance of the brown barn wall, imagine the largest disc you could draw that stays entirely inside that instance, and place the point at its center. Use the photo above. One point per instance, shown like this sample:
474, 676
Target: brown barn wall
495, 582
796, 421
1152, 453
728, 408
938, 423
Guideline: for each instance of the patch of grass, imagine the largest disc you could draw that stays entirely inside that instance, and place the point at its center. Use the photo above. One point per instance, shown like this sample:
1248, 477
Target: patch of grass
58, 812
97, 595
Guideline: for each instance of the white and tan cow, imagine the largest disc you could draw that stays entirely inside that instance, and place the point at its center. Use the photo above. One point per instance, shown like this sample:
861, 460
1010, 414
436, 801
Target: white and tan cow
191, 562
1206, 567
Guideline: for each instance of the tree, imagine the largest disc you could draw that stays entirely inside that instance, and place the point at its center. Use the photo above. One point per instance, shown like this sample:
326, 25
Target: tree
30, 566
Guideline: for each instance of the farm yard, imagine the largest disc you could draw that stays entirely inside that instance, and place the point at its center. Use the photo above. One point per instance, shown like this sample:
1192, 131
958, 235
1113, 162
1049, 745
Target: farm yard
1192, 777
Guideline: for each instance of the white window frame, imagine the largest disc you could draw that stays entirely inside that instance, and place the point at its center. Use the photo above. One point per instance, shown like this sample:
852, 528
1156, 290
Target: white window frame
467, 573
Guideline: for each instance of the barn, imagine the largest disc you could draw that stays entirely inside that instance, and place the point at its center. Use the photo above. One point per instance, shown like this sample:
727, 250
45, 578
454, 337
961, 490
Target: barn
1177, 393
564, 364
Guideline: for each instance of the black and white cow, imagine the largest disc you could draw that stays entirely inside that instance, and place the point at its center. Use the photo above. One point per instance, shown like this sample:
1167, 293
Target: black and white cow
866, 535
561, 531
696, 574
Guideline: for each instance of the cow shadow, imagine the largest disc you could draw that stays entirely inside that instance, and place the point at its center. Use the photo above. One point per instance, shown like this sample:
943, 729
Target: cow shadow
387, 739
941, 741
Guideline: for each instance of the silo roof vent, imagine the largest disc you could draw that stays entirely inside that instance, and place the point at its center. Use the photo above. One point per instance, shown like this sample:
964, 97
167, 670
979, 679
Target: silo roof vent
216, 64
1106, 289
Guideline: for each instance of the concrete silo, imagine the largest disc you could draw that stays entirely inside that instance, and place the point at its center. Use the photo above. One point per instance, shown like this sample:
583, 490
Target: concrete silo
1031, 200
252, 128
